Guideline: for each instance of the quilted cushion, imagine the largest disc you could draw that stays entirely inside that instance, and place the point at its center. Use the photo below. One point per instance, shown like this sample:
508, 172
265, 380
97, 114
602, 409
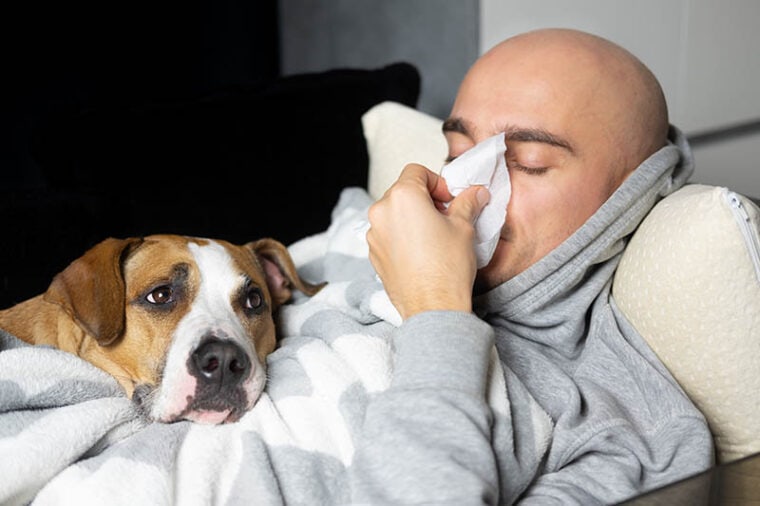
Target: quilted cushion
397, 134
689, 282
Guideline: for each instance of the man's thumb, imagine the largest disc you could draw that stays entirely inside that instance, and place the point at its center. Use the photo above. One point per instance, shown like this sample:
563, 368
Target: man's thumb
470, 203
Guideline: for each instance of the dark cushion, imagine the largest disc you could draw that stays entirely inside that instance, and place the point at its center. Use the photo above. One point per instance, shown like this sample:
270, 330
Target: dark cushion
267, 160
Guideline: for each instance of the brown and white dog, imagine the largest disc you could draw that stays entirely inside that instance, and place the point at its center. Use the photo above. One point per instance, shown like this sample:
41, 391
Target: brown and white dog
184, 324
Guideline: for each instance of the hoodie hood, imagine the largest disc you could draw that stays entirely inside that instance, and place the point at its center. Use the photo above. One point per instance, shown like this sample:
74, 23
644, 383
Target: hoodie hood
556, 292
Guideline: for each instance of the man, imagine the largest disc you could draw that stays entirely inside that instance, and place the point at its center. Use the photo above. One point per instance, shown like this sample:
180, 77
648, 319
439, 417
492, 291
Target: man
589, 151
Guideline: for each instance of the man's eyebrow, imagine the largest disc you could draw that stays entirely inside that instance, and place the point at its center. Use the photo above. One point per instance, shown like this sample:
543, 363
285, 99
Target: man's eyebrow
536, 135
454, 125
512, 133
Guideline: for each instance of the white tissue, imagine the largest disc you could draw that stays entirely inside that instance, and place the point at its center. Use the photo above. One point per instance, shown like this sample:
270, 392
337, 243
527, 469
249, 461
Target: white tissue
483, 164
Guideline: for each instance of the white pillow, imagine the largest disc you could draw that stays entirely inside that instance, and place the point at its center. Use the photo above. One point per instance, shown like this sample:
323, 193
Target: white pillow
396, 135
689, 282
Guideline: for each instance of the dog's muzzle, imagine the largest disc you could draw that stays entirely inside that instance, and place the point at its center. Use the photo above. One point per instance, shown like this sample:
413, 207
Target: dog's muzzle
217, 386
220, 367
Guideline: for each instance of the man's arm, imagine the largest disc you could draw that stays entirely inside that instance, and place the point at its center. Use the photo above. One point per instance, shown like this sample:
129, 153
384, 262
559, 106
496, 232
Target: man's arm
427, 438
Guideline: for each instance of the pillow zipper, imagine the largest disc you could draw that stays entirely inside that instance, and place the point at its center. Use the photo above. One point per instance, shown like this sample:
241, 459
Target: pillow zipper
749, 232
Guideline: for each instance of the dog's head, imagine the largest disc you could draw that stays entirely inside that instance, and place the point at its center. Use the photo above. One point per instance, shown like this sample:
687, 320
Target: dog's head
184, 324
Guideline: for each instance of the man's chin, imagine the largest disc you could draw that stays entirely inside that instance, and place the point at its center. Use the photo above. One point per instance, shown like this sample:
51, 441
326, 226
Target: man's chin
497, 271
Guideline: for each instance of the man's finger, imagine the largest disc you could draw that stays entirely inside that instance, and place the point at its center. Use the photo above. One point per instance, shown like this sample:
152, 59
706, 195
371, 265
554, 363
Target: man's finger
435, 184
470, 203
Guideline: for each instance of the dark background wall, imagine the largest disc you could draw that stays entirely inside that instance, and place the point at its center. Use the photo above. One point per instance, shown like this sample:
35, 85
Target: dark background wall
440, 37
65, 57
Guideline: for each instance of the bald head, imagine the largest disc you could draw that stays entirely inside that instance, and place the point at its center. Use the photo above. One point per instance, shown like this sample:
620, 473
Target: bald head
579, 114
601, 84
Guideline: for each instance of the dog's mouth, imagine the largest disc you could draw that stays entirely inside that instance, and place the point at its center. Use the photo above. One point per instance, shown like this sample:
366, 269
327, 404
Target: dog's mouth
211, 408
142, 397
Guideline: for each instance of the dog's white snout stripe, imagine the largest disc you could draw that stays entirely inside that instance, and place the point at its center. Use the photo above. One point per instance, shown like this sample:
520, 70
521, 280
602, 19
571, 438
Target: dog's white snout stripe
211, 318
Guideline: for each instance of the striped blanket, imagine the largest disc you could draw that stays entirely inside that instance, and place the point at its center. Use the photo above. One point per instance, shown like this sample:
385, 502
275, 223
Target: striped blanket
68, 435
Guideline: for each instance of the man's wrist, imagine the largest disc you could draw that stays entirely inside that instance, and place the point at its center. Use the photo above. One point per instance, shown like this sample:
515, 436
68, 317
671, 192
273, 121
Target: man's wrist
438, 303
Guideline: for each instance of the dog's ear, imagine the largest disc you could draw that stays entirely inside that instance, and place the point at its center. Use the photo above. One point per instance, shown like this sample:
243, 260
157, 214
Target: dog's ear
280, 270
91, 289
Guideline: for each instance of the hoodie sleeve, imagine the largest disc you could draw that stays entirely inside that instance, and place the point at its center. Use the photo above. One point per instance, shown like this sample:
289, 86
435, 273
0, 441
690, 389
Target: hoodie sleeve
427, 438
618, 464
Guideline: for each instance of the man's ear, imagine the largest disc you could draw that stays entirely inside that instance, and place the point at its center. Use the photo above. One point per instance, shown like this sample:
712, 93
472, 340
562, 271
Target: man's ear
92, 291
280, 271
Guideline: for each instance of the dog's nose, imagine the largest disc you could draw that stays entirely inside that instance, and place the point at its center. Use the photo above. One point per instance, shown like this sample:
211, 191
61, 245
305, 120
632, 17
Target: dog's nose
220, 362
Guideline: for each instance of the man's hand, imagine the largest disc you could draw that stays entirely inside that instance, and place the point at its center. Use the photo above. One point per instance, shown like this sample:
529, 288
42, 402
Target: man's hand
423, 251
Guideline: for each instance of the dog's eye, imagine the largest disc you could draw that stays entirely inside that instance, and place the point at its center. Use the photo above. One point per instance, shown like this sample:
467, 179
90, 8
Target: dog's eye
253, 299
161, 295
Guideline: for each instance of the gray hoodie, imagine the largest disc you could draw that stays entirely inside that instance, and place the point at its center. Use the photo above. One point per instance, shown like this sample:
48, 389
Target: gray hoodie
621, 424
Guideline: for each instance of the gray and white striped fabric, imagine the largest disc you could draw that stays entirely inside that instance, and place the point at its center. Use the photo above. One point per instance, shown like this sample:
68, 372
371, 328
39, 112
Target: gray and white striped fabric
68, 435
